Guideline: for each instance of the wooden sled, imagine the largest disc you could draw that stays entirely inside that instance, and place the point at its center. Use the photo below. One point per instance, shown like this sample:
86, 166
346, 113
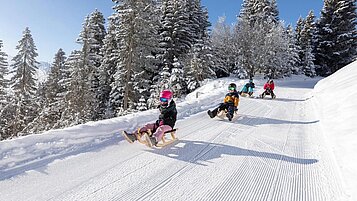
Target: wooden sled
222, 115
166, 139
246, 95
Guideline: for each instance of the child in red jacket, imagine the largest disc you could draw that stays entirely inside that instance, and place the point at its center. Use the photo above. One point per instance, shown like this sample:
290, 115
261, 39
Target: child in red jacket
269, 89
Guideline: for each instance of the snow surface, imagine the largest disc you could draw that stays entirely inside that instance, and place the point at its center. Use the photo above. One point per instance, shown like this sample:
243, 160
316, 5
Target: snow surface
296, 147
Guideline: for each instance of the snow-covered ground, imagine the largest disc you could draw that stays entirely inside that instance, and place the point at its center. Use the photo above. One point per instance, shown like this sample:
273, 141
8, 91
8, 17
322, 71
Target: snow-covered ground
297, 147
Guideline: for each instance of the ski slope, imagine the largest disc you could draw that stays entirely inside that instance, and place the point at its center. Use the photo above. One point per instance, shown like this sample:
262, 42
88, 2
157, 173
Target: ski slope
275, 150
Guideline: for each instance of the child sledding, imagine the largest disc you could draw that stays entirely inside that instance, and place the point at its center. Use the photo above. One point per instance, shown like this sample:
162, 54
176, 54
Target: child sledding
154, 134
247, 89
268, 89
229, 107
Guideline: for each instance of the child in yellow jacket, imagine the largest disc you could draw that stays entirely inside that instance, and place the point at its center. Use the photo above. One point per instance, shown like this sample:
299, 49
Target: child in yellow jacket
230, 103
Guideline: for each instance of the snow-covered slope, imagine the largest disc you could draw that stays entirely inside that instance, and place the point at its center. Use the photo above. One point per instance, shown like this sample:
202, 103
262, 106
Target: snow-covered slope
275, 150
336, 103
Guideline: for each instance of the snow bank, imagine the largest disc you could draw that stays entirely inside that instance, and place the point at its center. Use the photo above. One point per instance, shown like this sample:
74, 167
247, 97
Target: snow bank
336, 104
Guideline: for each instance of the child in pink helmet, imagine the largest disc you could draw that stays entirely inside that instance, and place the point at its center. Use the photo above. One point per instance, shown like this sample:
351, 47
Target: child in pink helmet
166, 121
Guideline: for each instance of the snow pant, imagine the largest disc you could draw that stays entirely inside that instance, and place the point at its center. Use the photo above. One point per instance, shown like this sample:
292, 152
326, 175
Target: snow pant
158, 131
225, 106
246, 89
268, 92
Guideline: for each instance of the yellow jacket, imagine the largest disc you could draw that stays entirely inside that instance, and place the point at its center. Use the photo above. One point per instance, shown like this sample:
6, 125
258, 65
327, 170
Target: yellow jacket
232, 97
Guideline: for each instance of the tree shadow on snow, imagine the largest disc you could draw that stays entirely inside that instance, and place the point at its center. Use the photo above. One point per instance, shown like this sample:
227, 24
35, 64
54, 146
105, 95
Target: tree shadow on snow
198, 151
254, 121
41, 164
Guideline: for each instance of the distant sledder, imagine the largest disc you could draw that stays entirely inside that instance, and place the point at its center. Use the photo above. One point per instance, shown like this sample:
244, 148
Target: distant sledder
229, 105
269, 89
154, 134
247, 89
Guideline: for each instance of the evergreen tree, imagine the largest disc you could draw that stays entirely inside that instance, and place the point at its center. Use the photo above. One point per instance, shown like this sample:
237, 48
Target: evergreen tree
23, 84
201, 50
176, 30
177, 81
52, 92
4, 71
76, 110
91, 38
96, 34
260, 39
298, 41
307, 35
107, 71
3, 93
336, 36
136, 29
294, 49
222, 48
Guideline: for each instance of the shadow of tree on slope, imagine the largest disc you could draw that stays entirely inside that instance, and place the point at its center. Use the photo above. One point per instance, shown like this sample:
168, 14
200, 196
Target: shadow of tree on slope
254, 120
199, 151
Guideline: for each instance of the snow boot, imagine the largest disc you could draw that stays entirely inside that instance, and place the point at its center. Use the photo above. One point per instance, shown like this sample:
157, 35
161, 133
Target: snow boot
229, 116
129, 137
150, 141
213, 113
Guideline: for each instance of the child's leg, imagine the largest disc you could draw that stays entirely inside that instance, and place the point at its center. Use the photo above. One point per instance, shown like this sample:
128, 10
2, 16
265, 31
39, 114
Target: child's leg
160, 131
151, 126
231, 110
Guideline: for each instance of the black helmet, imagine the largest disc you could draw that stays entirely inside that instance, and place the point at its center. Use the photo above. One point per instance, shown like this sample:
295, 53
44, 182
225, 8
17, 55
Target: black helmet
232, 86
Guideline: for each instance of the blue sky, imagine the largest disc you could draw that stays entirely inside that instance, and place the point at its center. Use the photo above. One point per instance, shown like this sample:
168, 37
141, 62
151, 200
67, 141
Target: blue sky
56, 24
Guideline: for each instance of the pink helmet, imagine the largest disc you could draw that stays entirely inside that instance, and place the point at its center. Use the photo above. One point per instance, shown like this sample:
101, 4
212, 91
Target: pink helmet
166, 94
165, 97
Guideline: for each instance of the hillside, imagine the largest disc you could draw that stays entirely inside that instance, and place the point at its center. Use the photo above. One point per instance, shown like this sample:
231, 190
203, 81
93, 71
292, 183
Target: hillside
276, 150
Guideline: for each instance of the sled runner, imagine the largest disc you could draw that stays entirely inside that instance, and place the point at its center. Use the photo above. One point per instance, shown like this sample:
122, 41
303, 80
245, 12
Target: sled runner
262, 96
249, 95
144, 138
223, 115
168, 138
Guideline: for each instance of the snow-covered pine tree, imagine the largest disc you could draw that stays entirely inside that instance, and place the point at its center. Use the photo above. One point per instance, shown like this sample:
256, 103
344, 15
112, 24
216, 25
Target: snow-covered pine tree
81, 96
307, 35
336, 36
75, 89
24, 84
4, 71
3, 92
308, 64
193, 72
142, 104
177, 81
294, 59
274, 11
246, 36
52, 92
165, 78
222, 48
276, 47
137, 41
107, 70
254, 38
201, 51
176, 31
298, 41
96, 35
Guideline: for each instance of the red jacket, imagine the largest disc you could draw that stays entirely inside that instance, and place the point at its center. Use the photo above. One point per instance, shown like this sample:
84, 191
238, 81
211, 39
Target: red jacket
268, 85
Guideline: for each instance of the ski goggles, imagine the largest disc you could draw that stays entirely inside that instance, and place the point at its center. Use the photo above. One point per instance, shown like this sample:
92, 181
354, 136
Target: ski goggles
231, 88
164, 100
